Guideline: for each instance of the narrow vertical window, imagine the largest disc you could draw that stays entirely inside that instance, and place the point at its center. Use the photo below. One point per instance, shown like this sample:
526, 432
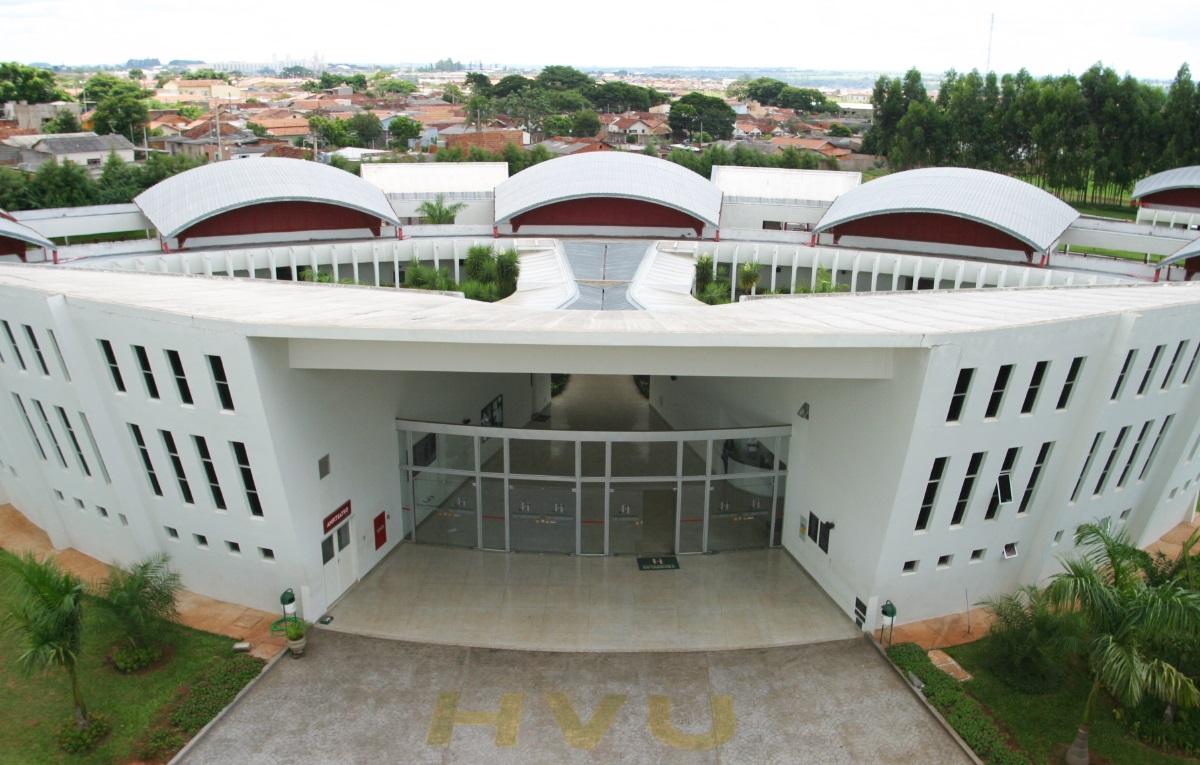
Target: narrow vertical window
37, 349
1002, 493
29, 424
1102, 481
1035, 477
1035, 385
181, 383
222, 382
62, 362
143, 360
113, 367
1087, 463
1150, 369
147, 463
968, 487
959, 398
210, 472
87, 429
1123, 375
243, 463
1064, 397
66, 423
62, 458
1187, 377
931, 490
12, 343
997, 397
1162, 432
1133, 454
1195, 446
177, 465
1168, 378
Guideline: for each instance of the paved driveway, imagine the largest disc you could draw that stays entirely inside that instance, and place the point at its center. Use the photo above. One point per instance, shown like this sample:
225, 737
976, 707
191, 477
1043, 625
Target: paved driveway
353, 699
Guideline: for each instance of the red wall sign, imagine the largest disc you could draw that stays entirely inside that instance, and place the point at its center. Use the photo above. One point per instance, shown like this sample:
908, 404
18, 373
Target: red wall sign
380, 530
337, 516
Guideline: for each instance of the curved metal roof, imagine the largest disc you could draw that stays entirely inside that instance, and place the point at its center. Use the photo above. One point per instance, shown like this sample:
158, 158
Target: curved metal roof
183, 200
1015, 207
10, 229
609, 174
1179, 178
1186, 252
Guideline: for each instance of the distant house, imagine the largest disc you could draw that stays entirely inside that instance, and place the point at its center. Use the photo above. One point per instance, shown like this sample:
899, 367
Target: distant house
286, 127
35, 116
817, 145
201, 89
639, 129
563, 146
87, 149
457, 137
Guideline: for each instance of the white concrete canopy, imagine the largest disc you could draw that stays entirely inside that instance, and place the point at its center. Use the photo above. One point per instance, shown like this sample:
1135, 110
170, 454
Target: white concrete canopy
1186, 252
609, 174
10, 229
428, 179
1014, 207
1168, 180
783, 184
183, 200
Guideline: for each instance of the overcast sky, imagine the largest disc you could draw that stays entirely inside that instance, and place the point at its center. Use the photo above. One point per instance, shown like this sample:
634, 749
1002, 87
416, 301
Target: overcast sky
1148, 39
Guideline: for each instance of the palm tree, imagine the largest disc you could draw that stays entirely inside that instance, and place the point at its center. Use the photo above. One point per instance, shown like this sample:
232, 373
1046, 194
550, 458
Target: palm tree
1125, 616
142, 596
438, 212
747, 277
48, 619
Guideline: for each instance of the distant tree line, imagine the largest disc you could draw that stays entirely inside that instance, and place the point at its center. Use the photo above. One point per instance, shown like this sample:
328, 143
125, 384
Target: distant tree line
771, 92
556, 91
67, 184
1087, 138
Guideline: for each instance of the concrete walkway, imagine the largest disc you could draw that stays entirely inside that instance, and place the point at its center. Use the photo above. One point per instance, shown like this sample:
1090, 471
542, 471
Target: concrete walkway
19, 535
358, 700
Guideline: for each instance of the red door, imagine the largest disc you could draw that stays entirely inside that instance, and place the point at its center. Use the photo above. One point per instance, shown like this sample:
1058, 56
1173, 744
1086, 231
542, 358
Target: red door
380, 530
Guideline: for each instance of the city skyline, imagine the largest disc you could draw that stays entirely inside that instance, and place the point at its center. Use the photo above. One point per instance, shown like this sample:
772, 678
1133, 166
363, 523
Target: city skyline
933, 36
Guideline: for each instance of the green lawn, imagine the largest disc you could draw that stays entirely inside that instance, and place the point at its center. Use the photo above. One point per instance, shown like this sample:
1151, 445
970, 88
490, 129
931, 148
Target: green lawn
1107, 211
1041, 722
1124, 254
33, 707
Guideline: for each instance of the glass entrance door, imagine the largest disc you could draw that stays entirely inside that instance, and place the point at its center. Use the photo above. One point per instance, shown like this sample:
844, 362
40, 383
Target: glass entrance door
641, 518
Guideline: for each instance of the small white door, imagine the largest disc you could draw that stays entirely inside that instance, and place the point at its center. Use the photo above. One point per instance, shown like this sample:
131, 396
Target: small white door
337, 559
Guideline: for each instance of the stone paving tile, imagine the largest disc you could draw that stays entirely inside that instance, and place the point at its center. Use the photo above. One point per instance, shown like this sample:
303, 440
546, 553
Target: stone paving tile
360, 700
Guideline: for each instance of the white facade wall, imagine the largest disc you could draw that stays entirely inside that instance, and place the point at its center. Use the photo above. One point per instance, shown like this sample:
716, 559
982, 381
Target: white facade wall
747, 215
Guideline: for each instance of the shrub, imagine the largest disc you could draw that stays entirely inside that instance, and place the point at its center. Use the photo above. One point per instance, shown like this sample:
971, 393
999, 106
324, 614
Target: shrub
1147, 721
485, 292
212, 690
704, 273
962, 712
160, 744
715, 293
480, 265
142, 596
508, 268
1029, 640
129, 658
76, 740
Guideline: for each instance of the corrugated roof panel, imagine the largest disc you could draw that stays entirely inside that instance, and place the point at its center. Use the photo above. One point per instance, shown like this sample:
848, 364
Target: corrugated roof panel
1190, 250
1179, 178
1010, 205
12, 230
184, 200
609, 174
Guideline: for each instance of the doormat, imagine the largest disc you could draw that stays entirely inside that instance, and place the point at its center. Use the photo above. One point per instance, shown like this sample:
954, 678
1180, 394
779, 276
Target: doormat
659, 563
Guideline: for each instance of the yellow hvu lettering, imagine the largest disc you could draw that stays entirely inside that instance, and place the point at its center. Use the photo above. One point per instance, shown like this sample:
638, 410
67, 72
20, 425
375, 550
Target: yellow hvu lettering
665, 731
446, 715
577, 734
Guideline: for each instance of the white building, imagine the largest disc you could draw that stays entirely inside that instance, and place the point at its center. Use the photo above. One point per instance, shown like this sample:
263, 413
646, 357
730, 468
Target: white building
409, 184
766, 198
931, 447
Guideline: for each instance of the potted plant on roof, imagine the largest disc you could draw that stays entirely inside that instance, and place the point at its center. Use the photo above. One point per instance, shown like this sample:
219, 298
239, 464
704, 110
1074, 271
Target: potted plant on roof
296, 632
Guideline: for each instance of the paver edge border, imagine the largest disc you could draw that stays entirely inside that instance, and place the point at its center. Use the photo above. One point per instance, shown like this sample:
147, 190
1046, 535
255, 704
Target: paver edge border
200, 734
924, 701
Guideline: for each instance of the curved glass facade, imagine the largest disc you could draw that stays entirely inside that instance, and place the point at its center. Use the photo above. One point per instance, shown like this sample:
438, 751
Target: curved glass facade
591, 492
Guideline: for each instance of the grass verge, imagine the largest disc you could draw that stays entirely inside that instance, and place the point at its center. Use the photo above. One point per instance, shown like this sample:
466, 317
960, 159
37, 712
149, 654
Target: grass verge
1043, 724
33, 707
